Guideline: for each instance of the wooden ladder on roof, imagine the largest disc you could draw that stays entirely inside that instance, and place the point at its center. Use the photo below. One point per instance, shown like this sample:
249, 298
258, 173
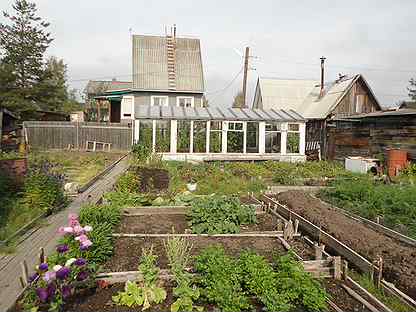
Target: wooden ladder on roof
171, 54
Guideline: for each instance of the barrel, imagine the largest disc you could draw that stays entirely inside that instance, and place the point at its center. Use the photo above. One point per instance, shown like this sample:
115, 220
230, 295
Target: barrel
397, 160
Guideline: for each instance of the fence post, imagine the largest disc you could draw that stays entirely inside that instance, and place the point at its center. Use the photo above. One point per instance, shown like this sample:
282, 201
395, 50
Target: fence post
77, 133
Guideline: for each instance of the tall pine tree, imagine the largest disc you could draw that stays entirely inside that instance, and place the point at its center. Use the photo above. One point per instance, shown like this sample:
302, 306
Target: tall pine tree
23, 42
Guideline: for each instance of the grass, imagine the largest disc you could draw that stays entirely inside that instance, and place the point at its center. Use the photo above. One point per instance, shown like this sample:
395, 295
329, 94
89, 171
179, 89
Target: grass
79, 167
361, 195
392, 302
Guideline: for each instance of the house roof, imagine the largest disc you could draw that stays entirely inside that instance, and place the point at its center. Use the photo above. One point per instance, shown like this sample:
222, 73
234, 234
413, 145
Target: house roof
303, 95
215, 113
378, 114
150, 64
101, 86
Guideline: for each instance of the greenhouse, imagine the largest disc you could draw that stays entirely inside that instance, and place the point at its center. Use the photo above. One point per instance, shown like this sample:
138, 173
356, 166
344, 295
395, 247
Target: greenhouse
207, 134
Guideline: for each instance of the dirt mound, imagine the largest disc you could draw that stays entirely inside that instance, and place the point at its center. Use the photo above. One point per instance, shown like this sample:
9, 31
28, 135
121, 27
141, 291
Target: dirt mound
153, 179
399, 259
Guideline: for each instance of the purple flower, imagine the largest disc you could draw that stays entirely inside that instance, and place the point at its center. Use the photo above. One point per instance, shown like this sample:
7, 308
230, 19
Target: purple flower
82, 276
43, 266
33, 277
62, 248
51, 289
63, 273
49, 276
80, 262
42, 294
66, 291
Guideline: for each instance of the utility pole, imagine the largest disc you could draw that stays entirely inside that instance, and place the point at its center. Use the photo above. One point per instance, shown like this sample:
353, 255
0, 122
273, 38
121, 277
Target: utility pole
246, 56
323, 58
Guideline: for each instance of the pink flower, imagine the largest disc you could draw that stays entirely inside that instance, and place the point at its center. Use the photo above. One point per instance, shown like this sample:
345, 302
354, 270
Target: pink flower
49, 275
61, 230
68, 230
85, 244
78, 229
87, 228
73, 219
82, 238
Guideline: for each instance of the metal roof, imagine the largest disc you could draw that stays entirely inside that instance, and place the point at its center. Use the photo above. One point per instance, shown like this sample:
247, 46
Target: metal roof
214, 113
101, 86
378, 114
150, 64
303, 95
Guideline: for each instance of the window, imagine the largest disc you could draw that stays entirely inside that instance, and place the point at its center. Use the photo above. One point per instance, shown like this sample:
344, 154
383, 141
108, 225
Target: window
235, 137
146, 133
159, 101
273, 138
252, 137
127, 109
200, 136
293, 139
185, 101
183, 136
215, 137
162, 143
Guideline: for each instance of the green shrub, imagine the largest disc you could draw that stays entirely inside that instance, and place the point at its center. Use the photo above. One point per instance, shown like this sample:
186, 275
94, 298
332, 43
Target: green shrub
128, 182
220, 279
123, 199
141, 152
219, 214
98, 214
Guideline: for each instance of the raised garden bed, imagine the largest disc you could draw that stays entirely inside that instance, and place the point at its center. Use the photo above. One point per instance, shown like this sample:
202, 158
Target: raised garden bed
399, 259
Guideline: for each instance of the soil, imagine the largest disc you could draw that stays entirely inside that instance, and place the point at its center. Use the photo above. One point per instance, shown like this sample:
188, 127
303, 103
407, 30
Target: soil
153, 179
164, 223
399, 259
128, 250
341, 298
302, 249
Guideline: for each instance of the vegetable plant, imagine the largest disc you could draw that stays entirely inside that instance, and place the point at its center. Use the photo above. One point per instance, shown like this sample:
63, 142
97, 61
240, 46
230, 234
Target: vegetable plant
219, 214
178, 251
147, 292
220, 279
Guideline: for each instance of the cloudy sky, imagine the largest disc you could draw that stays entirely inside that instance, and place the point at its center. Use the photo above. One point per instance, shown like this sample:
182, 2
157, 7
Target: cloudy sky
372, 37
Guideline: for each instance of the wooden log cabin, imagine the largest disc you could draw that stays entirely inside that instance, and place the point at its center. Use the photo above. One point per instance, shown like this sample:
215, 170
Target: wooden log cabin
318, 103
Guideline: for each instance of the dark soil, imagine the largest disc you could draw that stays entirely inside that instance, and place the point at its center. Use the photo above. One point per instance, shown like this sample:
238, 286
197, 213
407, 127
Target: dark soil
341, 298
153, 179
164, 223
128, 250
302, 249
399, 259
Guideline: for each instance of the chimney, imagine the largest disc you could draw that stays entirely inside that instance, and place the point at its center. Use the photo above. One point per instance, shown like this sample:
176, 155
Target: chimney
321, 93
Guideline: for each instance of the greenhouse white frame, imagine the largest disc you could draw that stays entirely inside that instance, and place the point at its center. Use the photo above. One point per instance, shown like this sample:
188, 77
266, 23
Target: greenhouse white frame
267, 127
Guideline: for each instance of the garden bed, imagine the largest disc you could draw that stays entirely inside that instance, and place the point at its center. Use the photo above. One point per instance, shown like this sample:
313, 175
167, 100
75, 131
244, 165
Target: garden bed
399, 259
166, 223
128, 250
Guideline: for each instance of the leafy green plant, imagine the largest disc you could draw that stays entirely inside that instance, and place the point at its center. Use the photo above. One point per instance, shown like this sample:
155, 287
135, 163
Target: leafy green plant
128, 182
124, 199
141, 152
99, 214
144, 293
219, 214
178, 251
220, 279
296, 286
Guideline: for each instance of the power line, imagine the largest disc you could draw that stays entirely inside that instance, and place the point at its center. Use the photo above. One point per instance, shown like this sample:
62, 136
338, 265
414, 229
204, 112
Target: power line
228, 85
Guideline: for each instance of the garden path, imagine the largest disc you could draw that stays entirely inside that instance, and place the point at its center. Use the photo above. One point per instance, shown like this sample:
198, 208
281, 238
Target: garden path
46, 237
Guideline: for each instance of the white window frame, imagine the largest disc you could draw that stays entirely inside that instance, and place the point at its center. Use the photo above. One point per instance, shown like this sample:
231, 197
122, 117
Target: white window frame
153, 97
178, 98
127, 107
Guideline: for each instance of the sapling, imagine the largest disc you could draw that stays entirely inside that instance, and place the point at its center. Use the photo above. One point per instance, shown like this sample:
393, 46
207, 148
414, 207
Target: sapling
146, 292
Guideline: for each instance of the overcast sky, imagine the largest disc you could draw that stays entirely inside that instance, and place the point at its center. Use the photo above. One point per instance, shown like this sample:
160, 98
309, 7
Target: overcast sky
372, 37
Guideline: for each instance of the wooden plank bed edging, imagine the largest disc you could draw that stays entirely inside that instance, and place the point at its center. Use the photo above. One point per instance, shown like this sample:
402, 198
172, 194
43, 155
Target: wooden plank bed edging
165, 210
363, 264
258, 234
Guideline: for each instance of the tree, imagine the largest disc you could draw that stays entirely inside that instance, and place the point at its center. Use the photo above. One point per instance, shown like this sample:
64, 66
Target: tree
238, 100
412, 89
23, 42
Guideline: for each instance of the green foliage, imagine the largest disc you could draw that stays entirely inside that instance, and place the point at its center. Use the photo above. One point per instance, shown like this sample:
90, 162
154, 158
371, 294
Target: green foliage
147, 292
220, 279
99, 214
178, 251
141, 152
123, 199
369, 199
296, 286
219, 214
9, 155
128, 182
259, 279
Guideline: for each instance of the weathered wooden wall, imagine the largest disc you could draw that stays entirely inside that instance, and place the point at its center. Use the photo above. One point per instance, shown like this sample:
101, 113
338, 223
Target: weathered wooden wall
59, 135
372, 137
347, 105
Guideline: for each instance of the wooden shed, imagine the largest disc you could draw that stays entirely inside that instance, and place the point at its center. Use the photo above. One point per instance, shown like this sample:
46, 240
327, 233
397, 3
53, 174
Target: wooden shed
372, 134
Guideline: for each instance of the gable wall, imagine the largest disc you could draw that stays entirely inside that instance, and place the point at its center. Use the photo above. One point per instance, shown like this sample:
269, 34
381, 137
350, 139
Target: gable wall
347, 106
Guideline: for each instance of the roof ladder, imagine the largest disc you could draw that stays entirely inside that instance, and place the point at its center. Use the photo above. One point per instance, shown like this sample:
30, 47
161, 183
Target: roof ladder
170, 49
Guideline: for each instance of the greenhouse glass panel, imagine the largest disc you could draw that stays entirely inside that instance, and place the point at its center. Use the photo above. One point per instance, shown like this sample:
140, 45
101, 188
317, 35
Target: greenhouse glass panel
273, 138
146, 133
200, 136
293, 140
162, 144
183, 136
215, 137
235, 137
252, 137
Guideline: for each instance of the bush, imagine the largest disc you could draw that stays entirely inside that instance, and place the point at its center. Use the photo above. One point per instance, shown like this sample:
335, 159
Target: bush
141, 152
129, 182
219, 214
98, 214
220, 277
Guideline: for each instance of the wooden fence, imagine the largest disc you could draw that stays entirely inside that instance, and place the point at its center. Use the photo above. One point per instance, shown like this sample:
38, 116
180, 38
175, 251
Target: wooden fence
46, 135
